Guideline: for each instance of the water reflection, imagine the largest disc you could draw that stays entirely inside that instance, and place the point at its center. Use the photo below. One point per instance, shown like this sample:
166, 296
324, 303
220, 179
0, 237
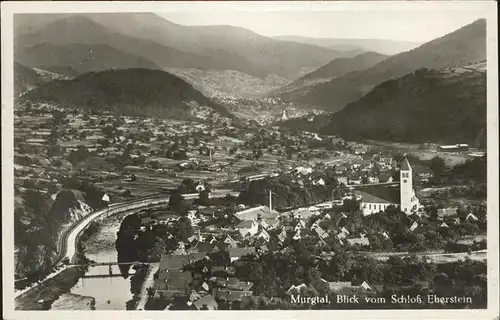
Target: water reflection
110, 292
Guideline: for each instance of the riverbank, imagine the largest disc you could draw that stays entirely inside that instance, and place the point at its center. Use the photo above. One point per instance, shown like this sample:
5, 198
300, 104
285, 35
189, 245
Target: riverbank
69, 301
42, 296
149, 282
98, 244
104, 235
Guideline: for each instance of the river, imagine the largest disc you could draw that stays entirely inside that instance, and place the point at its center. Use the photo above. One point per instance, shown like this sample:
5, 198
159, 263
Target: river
109, 292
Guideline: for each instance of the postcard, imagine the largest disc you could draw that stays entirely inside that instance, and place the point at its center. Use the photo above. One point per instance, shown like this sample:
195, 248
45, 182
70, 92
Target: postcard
255, 159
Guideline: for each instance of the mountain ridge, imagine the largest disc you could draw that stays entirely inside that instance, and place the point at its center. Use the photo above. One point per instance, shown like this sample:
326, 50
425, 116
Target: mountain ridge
463, 46
171, 45
81, 58
341, 66
384, 46
438, 106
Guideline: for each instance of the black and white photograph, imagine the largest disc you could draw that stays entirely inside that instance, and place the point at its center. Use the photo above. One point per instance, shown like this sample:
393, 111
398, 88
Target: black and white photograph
282, 156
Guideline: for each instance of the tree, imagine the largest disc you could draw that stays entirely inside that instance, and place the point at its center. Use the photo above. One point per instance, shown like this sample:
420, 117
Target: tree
204, 198
180, 155
58, 117
183, 229
176, 201
257, 153
188, 186
35, 201
108, 131
437, 166
104, 142
350, 205
151, 292
53, 151
78, 156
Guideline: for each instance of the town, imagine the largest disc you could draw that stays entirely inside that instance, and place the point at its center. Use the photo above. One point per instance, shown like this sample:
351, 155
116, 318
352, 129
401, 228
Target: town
277, 212
288, 159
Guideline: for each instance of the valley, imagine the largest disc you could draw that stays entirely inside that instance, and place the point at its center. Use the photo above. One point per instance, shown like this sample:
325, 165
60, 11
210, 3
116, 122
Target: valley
190, 167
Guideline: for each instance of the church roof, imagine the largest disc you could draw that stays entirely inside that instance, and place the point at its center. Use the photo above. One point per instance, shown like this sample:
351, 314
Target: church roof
406, 165
380, 194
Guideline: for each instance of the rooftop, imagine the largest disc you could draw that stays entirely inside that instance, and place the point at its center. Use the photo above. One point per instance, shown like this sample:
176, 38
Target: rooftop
253, 213
380, 194
245, 224
447, 212
406, 165
360, 241
204, 247
173, 262
238, 252
230, 295
208, 301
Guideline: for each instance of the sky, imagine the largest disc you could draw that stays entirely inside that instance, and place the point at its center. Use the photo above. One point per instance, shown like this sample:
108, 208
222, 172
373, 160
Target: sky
414, 26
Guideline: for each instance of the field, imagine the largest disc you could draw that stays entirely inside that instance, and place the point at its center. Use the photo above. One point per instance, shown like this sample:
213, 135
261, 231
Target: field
416, 150
149, 181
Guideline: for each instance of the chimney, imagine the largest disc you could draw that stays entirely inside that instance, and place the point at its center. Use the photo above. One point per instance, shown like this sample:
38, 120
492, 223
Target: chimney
270, 200
210, 154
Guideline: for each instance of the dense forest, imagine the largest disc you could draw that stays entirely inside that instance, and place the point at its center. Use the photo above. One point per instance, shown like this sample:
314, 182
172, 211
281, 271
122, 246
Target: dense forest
462, 47
135, 92
425, 106
25, 78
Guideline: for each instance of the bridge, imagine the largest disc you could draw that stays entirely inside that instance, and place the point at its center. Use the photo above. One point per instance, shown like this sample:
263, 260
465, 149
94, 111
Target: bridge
110, 274
104, 275
113, 263
374, 184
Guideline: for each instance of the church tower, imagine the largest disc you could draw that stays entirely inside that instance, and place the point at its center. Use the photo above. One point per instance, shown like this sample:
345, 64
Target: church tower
283, 116
406, 187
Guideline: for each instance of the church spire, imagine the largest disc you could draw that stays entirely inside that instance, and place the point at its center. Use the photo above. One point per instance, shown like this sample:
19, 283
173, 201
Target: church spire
406, 165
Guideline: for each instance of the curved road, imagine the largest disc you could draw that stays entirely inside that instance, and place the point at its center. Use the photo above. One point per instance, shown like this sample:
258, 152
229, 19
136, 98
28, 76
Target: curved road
68, 242
69, 246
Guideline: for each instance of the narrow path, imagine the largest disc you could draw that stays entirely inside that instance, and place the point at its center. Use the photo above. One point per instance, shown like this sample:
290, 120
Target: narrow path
148, 282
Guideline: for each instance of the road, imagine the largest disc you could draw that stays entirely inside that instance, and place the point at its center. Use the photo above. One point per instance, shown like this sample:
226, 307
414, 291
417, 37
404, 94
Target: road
436, 257
68, 242
148, 282
343, 158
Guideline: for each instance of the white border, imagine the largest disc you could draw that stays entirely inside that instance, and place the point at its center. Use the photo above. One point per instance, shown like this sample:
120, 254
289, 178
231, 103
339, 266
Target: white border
9, 8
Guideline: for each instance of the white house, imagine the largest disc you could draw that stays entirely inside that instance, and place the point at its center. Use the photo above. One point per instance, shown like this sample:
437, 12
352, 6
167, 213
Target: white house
297, 235
366, 286
470, 216
300, 225
247, 228
414, 226
297, 289
319, 182
264, 235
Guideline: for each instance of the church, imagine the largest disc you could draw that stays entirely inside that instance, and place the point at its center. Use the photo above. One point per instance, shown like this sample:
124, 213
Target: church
378, 197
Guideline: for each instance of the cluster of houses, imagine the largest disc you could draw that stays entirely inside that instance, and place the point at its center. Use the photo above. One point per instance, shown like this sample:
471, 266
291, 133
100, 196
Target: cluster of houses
449, 216
253, 232
202, 289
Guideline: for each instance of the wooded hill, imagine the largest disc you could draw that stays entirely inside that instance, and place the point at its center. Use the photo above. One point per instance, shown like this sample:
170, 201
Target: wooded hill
464, 46
425, 106
138, 92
